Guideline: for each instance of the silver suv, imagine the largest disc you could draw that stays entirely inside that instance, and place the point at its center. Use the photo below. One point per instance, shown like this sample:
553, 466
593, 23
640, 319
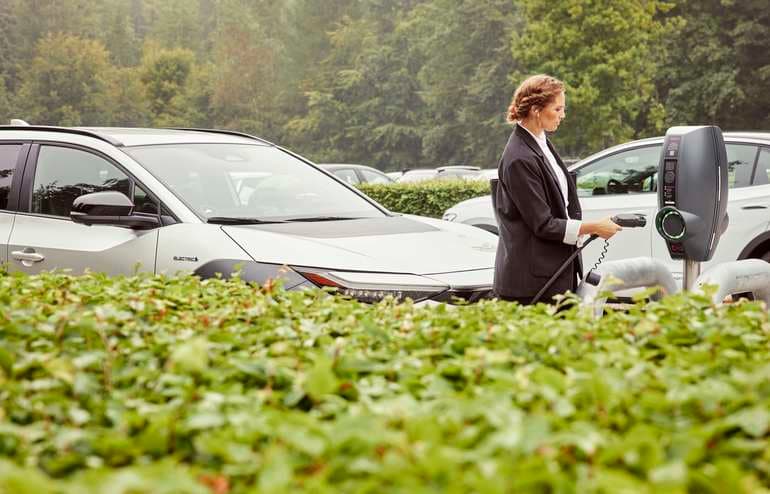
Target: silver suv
118, 200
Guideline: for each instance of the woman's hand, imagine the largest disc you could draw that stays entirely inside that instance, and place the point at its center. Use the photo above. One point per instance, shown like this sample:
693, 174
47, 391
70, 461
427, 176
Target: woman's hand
604, 228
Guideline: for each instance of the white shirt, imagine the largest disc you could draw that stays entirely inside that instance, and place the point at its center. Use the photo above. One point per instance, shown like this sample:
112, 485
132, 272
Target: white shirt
573, 226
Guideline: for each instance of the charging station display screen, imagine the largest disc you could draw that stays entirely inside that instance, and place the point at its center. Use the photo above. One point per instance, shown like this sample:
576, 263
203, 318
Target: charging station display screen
669, 182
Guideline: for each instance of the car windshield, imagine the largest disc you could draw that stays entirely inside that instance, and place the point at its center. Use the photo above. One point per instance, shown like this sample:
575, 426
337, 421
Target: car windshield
249, 181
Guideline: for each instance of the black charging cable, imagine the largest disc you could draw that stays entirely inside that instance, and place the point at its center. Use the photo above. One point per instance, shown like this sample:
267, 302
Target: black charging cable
561, 269
624, 220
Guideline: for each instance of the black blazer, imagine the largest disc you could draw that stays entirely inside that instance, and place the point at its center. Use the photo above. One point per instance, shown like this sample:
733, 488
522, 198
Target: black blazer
532, 219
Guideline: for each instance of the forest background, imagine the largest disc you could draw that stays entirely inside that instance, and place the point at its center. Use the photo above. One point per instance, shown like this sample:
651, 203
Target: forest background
389, 83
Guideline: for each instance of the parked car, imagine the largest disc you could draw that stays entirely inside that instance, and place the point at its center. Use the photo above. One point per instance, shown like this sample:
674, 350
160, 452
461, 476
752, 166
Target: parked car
162, 200
357, 174
623, 179
487, 174
440, 173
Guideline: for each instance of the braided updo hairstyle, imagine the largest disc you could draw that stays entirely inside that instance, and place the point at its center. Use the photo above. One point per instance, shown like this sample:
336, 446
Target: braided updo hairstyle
535, 92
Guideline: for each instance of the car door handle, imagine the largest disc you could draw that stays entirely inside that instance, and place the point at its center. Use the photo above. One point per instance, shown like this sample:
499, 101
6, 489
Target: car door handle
755, 206
27, 255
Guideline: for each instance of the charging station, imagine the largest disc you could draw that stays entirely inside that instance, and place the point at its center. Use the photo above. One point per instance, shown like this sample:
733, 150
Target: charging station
692, 216
692, 197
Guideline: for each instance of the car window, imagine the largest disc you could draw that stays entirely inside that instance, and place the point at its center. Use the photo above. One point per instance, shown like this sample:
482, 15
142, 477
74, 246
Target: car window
631, 171
143, 203
63, 174
249, 181
740, 164
9, 155
762, 175
347, 175
374, 177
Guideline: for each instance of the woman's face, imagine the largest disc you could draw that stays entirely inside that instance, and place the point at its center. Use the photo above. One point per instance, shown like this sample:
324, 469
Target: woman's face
553, 113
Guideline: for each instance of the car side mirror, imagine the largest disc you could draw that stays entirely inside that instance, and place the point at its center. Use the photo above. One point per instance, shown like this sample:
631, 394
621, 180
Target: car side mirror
109, 208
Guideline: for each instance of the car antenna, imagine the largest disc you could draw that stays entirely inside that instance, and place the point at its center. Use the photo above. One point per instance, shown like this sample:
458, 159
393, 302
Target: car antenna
19, 122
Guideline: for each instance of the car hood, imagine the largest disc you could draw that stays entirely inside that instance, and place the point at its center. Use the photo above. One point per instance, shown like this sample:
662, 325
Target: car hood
397, 244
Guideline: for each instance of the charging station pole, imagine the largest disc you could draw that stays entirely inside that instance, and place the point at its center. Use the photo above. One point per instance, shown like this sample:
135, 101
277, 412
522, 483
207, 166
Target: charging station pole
691, 273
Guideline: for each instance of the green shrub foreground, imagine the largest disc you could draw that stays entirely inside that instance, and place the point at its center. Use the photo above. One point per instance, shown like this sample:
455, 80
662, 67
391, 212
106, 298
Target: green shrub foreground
430, 198
153, 385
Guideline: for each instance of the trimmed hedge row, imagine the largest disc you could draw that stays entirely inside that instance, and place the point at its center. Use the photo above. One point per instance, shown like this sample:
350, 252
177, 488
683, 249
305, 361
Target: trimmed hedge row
430, 198
153, 385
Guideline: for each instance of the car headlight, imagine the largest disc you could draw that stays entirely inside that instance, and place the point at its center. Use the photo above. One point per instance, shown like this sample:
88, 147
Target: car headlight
373, 287
449, 216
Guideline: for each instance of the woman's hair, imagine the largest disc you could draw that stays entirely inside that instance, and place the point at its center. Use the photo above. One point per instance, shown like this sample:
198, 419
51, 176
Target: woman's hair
536, 91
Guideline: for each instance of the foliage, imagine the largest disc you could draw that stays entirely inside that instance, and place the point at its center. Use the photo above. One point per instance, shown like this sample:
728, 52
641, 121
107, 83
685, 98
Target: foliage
429, 198
362, 102
465, 49
67, 82
147, 384
6, 108
726, 69
166, 75
391, 83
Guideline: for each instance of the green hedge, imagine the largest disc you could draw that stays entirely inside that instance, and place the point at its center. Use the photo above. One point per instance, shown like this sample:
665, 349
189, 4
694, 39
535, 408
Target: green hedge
430, 198
153, 385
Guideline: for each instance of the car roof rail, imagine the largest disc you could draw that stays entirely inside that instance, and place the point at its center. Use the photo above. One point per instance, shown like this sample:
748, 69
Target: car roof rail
64, 130
226, 132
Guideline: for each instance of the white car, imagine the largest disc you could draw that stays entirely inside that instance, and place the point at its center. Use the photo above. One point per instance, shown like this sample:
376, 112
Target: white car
117, 200
356, 174
623, 179
441, 173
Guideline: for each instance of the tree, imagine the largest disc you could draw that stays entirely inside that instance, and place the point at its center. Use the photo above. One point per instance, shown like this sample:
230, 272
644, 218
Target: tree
118, 32
718, 70
67, 83
362, 100
464, 48
607, 53
248, 70
175, 24
6, 109
165, 74
128, 102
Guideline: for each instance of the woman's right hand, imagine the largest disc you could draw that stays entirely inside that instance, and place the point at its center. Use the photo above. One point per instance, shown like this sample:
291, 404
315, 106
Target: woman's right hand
603, 228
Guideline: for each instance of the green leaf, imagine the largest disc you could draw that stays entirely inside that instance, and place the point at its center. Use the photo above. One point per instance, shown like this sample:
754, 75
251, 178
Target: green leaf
191, 357
754, 421
320, 379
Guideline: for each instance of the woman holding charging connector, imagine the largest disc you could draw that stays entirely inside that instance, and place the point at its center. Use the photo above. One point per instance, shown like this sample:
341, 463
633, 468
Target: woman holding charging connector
536, 201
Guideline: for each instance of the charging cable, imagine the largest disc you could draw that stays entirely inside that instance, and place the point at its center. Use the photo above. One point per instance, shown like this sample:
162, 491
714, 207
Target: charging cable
624, 220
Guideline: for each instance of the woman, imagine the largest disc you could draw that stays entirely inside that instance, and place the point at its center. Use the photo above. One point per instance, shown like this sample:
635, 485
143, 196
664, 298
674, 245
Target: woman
536, 200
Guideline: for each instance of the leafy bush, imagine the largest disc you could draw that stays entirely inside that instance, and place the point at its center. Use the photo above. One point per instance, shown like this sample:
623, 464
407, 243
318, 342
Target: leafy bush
429, 198
145, 384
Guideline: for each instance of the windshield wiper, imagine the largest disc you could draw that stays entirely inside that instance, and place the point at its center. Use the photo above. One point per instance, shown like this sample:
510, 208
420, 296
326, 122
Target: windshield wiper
232, 220
322, 218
